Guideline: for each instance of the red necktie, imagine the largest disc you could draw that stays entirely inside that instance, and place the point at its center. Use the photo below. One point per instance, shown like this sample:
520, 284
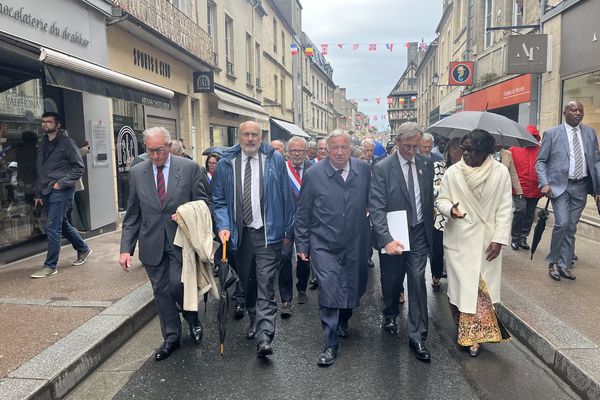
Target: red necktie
160, 185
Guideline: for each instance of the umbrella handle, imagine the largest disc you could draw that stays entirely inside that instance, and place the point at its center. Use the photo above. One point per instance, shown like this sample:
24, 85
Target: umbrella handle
547, 203
224, 257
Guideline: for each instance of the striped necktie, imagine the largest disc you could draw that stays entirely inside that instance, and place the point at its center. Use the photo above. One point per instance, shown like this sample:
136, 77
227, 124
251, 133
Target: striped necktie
577, 153
160, 185
247, 194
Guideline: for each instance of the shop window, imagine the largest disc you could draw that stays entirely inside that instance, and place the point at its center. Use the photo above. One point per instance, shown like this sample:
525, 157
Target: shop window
488, 21
585, 88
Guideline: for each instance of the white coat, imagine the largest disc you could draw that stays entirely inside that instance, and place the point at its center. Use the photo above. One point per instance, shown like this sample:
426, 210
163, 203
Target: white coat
487, 220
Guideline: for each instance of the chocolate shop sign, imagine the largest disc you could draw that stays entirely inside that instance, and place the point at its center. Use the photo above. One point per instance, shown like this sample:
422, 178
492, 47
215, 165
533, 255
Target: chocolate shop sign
22, 16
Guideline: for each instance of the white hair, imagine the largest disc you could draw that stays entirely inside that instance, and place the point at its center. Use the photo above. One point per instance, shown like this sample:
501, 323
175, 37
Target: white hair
428, 137
367, 141
408, 130
157, 131
177, 148
337, 133
296, 139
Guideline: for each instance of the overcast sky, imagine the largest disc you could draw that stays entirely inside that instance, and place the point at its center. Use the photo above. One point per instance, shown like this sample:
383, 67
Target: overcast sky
367, 75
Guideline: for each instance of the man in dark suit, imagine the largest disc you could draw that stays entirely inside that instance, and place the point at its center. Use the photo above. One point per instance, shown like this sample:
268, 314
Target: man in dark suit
568, 168
296, 168
404, 181
332, 228
157, 187
254, 209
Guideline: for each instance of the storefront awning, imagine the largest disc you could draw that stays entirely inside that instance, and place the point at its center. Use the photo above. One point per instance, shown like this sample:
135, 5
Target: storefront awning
237, 105
72, 73
291, 129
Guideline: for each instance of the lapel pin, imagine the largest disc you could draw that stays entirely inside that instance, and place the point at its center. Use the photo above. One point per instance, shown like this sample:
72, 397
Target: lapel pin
420, 172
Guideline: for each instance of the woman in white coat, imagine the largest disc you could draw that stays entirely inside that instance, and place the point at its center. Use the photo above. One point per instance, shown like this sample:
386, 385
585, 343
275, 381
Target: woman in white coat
476, 197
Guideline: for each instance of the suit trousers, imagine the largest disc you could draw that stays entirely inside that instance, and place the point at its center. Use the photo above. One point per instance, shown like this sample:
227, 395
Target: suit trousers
168, 293
286, 278
567, 211
257, 266
523, 219
330, 319
393, 268
437, 256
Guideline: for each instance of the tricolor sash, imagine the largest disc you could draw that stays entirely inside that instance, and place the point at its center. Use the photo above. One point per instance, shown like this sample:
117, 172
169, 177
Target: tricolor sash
295, 178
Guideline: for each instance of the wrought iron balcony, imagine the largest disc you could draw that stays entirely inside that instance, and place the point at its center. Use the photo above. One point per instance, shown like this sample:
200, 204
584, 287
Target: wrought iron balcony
167, 20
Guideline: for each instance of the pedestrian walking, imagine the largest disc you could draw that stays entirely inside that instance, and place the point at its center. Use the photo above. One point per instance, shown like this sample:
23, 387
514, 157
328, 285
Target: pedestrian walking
426, 147
59, 167
158, 186
404, 181
332, 231
254, 209
524, 160
475, 198
568, 168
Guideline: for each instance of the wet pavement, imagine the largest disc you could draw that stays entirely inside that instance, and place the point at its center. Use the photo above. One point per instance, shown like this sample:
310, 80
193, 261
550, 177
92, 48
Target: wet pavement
370, 365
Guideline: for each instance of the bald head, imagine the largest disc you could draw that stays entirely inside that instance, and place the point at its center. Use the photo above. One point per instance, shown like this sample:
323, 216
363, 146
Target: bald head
278, 146
573, 112
249, 134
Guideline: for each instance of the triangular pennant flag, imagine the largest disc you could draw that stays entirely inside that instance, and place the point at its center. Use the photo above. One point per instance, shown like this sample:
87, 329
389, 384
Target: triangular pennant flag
374, 117
294, 48
378, 100
390, 46
309, 52
389, 100
355, 46
324, 47
341, 45
373, 47
366, 100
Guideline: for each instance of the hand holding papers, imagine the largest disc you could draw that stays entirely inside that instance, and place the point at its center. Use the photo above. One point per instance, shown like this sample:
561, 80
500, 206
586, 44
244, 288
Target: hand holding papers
398, 226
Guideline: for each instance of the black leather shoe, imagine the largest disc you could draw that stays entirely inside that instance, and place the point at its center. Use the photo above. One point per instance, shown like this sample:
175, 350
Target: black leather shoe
565, 273
240, 310
314, 284
302, 298
420, 351
264, 349
343, 330
523, 244
327, 357
515, 245
196, 331
389, 326
575, 257
553, 272
165, 350
371, 264
251, 330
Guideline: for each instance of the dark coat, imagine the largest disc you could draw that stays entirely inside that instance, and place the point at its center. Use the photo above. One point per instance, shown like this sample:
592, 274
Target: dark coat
64, 164
389, 193
332, 226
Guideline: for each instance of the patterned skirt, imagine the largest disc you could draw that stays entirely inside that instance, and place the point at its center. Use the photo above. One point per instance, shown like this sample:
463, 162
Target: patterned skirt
483, 326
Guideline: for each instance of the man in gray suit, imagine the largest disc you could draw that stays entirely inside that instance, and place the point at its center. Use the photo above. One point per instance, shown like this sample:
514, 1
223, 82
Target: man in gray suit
568, 168
157, 187
404, 181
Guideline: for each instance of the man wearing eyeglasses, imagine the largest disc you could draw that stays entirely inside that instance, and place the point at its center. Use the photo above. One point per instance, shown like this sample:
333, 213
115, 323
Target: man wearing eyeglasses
404, 181
157, 187
254, 210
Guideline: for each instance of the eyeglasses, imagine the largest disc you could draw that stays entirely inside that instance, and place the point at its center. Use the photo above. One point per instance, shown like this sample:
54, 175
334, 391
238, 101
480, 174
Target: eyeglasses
296, 151
157, 151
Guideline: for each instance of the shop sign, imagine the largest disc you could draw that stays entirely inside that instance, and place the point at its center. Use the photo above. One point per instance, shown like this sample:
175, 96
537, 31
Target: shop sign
20, 105
527, 54
512, 91
100, 143
204, 82
461, 73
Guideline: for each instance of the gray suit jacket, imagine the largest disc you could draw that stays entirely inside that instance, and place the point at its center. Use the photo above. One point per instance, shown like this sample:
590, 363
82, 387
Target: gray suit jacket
552, 164
389, 193
146, 220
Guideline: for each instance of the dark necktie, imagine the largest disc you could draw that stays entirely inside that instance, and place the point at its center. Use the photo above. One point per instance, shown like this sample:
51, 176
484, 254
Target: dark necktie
340, 172
247, 195
299, 171
578, 173
160, 185
411, 193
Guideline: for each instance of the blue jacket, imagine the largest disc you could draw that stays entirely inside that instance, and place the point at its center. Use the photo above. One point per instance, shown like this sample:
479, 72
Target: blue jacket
277, 203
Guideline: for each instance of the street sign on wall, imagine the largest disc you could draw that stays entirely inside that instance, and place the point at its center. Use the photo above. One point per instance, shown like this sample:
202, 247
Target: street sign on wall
461, 73
527, 54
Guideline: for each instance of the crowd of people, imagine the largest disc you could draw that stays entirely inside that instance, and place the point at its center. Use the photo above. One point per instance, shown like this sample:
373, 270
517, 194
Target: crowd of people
315, 206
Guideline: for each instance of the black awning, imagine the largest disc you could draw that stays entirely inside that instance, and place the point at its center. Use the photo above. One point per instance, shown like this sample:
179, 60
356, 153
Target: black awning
67, 79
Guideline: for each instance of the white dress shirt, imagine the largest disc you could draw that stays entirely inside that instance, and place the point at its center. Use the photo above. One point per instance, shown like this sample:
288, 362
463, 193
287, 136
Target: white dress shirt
345, 170
404, 165
165, 172
569, 130
257, 221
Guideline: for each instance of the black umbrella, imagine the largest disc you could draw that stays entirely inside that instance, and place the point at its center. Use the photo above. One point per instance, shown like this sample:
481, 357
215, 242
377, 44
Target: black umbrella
227, 277
215, 150
539, 228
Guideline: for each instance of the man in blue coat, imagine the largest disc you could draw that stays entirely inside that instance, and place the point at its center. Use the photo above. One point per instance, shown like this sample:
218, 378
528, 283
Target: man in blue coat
254, 209
332, 228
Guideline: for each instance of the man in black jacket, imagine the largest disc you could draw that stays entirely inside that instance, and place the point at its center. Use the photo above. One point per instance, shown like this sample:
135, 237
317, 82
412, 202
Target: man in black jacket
59, 167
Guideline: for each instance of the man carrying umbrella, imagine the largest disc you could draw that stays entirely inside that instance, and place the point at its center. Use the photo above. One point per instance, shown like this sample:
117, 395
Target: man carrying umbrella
568, 167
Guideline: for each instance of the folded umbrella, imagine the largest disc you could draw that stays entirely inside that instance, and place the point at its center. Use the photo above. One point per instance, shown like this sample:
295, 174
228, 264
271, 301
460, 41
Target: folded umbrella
227, 278
506, 131
215, 150
539, 228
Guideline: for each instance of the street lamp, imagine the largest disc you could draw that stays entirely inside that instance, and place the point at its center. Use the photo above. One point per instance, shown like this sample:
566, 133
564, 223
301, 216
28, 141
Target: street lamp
435, 79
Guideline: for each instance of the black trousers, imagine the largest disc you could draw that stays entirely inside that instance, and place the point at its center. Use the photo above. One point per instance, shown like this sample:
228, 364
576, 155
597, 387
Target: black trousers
168, 293
522, 221
331, 318
257, 266
437, 255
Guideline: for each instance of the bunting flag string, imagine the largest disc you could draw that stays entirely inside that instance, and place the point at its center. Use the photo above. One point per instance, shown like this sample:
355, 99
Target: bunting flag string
371, 47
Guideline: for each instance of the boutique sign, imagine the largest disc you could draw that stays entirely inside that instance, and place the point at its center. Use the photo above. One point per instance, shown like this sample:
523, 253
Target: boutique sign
49, 26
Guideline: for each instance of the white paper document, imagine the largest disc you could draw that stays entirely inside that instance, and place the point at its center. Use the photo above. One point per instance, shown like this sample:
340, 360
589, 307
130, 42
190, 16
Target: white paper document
398, 226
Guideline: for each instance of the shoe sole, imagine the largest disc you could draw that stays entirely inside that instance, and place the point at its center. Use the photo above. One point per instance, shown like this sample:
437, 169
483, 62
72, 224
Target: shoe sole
324, 364
77, 263
264, 353
43, 276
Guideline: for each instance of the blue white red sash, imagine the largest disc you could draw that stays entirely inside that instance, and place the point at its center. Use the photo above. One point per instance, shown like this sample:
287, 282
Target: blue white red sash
295, 178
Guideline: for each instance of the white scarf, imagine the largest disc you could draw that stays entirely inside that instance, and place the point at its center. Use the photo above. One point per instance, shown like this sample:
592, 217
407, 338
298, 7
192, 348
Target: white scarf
476, 176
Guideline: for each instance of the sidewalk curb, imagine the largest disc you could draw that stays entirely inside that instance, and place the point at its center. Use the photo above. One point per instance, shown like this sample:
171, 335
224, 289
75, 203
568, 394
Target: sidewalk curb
55, 371
575, 360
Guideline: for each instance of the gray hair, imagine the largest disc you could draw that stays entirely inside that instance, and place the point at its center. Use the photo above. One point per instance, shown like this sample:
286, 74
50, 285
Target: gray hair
297, 139
367, 141
311, 144
157, 131
177, 148
336, 133
356, 151
428, 137
408, 130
